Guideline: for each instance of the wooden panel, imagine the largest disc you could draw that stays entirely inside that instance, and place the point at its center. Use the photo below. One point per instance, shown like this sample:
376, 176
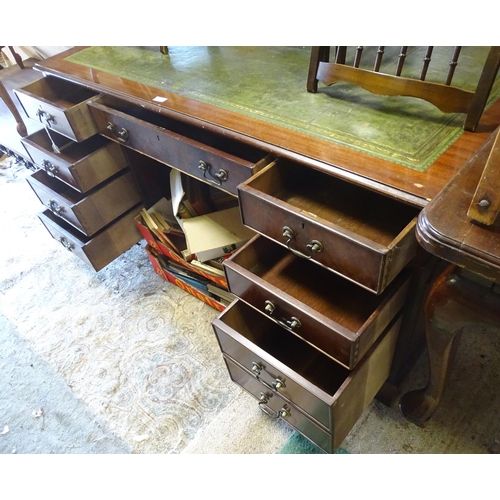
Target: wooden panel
324, 391
214, 166
273, 404
352, 224
80, 165
103, 247
90, 212
337, 317
60, 106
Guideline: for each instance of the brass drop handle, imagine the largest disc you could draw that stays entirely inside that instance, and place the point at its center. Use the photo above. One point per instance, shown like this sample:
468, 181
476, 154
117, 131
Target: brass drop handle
51, 170
314, 246
54, 206
120, 135
66, 244
257, 367
279, 384
46, 118
289, 324
284, 412
218, 178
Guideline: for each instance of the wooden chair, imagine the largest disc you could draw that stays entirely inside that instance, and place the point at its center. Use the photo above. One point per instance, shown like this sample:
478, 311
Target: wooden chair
446, 97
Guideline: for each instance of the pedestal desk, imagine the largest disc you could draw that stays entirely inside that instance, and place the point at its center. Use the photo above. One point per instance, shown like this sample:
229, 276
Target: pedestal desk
330, 289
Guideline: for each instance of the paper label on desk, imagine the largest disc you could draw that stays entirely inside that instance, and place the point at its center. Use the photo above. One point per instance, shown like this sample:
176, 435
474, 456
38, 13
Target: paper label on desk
160, 99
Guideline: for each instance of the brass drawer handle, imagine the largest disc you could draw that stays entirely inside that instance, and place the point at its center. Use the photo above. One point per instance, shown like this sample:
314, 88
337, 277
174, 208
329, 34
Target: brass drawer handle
217, 178
53, 205
284, 412
289, 324
120, 135
51, 170
46, 118
66, 244
314, 246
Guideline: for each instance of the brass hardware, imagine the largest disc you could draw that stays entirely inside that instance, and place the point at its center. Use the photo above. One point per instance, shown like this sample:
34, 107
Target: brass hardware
283, 413
217, 178
290, 324
66, 244
120, 135
314, 246
55, 207
279, 384
270, 307
51, 170
256, 367
264, 398
45, 117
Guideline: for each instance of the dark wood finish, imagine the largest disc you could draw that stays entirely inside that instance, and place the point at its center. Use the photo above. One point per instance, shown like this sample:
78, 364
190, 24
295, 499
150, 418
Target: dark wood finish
348, 224
455, 301
467, 291
332, 397
103, 247
485, 203
4, 95
60, 106
339, 318
178, 146
80, 165
444, 96
88, 212
373, 173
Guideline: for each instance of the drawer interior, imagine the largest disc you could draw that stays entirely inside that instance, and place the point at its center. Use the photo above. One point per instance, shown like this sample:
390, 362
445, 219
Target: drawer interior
58, 92
338, 299
347, 206
70, 152
300, 357
195, 133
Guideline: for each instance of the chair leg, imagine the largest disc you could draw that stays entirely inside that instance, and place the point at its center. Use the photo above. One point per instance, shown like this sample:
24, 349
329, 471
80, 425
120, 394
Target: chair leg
16, 57
483, 89
318, 54
21, 127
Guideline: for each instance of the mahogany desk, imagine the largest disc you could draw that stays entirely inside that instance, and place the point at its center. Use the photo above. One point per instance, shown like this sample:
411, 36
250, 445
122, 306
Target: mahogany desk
467, 291
408, 186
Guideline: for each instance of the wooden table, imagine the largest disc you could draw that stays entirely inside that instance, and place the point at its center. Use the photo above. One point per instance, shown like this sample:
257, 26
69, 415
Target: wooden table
411, 187
467, 291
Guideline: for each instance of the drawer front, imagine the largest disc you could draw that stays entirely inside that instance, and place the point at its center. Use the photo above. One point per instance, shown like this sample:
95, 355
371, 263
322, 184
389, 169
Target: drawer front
104, 246
197, 159
327, 393
338, 230
338, 317
60, 106
82, 166
275, 406
90, 212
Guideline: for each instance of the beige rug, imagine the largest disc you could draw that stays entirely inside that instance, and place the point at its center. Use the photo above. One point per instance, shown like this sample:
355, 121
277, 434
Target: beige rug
140, 357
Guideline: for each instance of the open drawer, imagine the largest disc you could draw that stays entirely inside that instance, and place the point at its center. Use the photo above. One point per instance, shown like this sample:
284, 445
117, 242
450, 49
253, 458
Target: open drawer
359, 234
210, 157
102, 248
60, 106
88, 212
336, 316
80, 165
289, 370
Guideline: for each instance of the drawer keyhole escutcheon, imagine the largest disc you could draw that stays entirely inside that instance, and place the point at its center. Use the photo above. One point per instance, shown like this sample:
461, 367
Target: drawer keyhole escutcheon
217, 178
289, 324
52, 204
51, 170
314, 246
121, 135
66, 244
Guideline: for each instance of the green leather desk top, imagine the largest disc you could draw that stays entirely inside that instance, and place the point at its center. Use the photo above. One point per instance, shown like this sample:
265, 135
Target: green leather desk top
269, 83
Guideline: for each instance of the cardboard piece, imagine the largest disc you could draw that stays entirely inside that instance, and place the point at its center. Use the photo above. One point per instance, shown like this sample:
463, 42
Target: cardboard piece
217, 234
